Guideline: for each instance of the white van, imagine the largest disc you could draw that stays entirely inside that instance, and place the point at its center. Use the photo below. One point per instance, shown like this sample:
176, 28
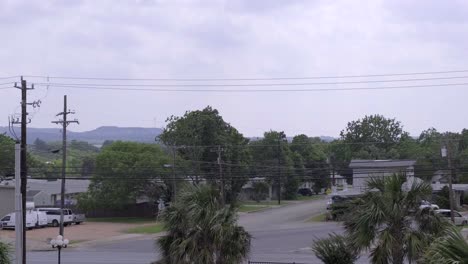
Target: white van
40, 218
8, 221
53, 216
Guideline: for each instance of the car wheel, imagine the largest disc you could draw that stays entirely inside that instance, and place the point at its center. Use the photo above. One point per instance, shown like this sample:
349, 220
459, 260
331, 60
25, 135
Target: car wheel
464, 223
55, 223
78, 223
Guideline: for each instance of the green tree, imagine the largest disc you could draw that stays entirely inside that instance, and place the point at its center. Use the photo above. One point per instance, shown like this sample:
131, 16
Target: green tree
451, 248
265, 154
201, 230
260, 190
126, 171
388, 221
335, 250
197, 135
314, 159
442, 198
5, 251
373, 137
7, 155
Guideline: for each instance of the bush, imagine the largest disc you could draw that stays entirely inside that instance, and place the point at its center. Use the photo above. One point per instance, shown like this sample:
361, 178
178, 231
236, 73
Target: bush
334, 250
442, 198
260, 191
5, 251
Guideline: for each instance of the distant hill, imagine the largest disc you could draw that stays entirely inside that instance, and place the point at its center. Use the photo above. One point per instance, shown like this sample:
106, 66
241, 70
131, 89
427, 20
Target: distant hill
96, 136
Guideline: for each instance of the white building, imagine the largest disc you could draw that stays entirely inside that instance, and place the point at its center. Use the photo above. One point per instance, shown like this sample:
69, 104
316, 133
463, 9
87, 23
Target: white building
363, 170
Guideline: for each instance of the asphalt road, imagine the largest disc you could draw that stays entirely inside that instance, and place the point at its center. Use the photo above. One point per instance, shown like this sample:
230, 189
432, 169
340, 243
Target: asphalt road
279, 235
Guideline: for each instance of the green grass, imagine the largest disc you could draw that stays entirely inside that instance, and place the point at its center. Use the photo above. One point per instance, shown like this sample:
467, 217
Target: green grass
146, 229
252, 208
310, 198
72, 242
126, 220
264, 203
318, 218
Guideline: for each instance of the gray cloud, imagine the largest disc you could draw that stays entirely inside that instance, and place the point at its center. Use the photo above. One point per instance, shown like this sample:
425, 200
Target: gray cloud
228, 39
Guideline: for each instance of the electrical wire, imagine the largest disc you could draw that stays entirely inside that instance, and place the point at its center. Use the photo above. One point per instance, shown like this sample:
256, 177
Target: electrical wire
254, 84
247, 79
262, 90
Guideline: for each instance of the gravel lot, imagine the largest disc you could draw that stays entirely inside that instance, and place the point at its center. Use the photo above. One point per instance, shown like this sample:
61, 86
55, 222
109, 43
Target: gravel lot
88, 231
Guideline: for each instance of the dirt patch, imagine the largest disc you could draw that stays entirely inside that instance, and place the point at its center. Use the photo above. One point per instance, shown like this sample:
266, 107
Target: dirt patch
38, 238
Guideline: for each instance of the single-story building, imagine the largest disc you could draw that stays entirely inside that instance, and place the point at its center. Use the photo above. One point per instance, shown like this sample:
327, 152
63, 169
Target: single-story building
7, 199
440, 176
363, 170
39, 198
458, 191
47, 193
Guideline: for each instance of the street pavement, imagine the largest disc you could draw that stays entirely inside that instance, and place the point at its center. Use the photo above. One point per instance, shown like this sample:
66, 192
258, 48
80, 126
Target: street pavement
279, 235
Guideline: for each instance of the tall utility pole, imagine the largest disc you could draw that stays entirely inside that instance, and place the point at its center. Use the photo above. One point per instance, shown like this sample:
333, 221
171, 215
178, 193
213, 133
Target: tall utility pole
279, 170
446, 152
219, 150
24, 167
64, 122
18, 207
174, 184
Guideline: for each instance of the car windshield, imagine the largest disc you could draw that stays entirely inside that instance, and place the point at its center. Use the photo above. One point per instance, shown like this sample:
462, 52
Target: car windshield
6, 218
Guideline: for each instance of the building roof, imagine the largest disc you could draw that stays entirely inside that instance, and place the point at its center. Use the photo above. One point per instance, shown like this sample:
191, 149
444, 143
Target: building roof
32, 193
356, 164
52, 187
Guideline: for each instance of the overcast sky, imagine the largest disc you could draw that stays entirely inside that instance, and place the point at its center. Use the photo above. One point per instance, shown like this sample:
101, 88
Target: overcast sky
238, 39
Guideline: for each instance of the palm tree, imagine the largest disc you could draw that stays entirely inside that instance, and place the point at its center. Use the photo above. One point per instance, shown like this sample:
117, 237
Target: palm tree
449, 249
4, 253
335, 250
388, 222
201, 230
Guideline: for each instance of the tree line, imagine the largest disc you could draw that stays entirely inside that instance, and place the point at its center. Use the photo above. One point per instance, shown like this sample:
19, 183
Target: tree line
200, 146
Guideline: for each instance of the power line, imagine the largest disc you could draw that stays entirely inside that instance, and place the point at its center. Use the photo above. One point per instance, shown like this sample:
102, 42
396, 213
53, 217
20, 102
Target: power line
10, 77
247, 79
258, 90
254, 84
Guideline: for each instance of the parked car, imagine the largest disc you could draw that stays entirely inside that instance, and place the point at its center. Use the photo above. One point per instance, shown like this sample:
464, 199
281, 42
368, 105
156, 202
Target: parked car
459, 219
79, 218
425, 204
8, 221
305, 192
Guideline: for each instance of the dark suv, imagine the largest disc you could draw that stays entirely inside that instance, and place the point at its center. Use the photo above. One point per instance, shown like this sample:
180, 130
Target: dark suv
305, 192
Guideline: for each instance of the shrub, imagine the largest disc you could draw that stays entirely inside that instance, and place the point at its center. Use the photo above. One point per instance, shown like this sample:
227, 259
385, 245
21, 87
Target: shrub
5, 251
334, 250
260, 191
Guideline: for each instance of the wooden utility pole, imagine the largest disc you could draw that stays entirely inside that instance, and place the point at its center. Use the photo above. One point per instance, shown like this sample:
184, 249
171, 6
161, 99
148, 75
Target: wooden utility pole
446, 152
219, 150
174, 184
449, 160
279, 169
23, 164
64, 122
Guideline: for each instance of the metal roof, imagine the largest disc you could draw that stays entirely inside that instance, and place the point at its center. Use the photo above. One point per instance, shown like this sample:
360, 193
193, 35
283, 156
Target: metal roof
356, 164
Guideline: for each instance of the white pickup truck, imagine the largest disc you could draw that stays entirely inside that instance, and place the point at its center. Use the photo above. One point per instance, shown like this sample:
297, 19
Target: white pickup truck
53, 216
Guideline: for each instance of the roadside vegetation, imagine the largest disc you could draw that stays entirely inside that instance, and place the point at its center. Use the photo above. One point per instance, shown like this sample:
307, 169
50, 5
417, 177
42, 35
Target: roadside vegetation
335, 250
388, 223
146, 229
5, 251
200, 229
